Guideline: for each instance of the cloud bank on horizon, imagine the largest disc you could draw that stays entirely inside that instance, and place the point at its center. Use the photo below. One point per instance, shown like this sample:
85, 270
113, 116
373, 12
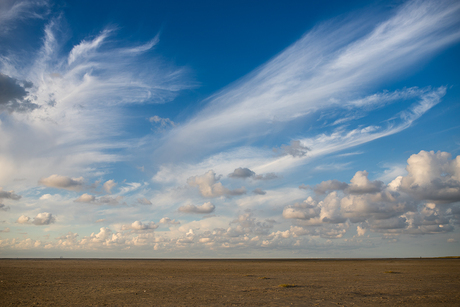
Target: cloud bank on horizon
345, 143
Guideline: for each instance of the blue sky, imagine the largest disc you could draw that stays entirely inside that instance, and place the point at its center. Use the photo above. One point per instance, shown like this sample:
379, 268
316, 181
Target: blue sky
229, 129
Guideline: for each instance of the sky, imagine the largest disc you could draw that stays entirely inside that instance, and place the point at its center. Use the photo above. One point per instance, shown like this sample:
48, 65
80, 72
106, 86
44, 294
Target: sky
229, 129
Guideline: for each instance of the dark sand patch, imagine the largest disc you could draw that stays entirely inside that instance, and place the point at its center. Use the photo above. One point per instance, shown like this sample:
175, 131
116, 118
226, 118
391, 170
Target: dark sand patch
67, 282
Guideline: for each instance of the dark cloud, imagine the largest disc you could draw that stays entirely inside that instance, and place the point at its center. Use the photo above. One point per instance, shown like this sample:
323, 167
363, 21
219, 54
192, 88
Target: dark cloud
295, 149
394, 223
3, 207
9, 195
44, 218
259, 191
112, 201
328, 186
144, 201
360, 184
236, 192
204, 208
241, 173
13, 95
41, 219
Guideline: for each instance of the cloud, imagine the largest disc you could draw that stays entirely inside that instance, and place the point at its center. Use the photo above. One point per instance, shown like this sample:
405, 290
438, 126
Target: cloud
105, 237
167, 220
130, 186
139, 226
329, 67
295, 149
246, 224
144, 201
360, 231
162, 122
44, 218
329, 186
376, 206
241, 173
360, 184
432, 176
104, 200
4, 207
23, 219
112, 201
13, 95
83, 49
85, 198
236, 192
8, 195
46, 197
209, 186
259, 191
392, 171
79, 127
369, 207
423, 201
81, 96
109, 185
306, 210
204, 208
68, 240
41, 219
13, 11
62, 182
144, 47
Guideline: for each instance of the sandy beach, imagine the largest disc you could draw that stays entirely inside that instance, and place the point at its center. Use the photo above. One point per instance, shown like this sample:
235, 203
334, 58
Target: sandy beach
96, 282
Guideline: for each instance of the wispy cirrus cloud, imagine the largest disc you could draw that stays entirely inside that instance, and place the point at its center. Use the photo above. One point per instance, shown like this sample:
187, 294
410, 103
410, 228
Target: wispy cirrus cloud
323, 143
73, 104
13, 11
330, 66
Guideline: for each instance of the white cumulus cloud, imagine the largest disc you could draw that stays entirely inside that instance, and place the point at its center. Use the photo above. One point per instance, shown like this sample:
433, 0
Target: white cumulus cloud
62, 182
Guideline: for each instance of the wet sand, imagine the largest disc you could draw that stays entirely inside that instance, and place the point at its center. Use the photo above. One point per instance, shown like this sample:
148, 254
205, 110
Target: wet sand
96, 282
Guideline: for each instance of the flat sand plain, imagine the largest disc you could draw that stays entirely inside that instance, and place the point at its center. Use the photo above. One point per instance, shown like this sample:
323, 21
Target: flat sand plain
97, 282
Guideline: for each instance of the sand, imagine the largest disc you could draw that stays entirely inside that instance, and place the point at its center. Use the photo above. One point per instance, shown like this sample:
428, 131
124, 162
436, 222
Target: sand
91, 282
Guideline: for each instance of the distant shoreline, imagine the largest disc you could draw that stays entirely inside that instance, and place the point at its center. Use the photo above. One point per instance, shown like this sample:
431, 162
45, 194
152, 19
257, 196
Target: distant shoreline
239, 259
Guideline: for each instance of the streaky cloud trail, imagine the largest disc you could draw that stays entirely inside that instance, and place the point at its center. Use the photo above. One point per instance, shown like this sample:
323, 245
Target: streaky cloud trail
333, 65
